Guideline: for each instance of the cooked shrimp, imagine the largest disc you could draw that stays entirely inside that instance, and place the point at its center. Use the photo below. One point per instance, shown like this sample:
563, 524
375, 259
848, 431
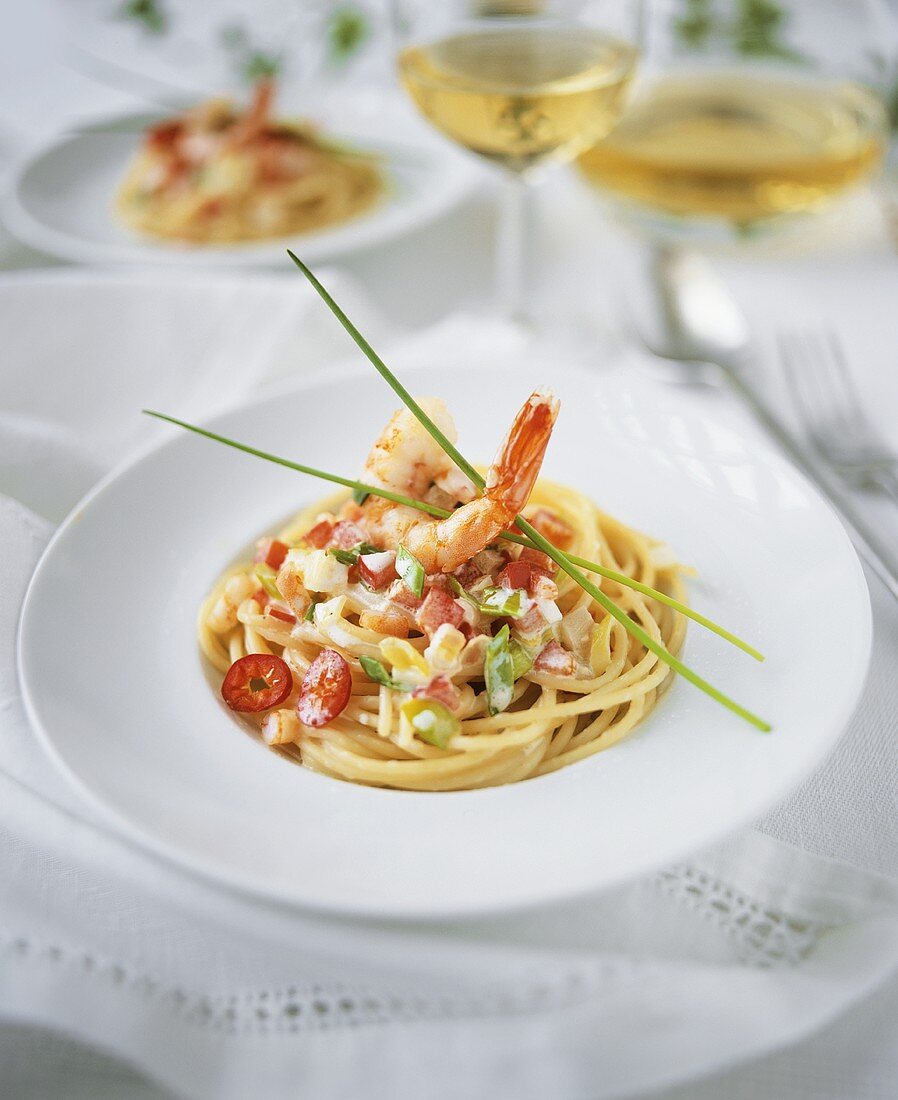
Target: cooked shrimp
408, 460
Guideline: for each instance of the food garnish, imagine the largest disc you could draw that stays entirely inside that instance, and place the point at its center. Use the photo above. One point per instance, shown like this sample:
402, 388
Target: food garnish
257, 682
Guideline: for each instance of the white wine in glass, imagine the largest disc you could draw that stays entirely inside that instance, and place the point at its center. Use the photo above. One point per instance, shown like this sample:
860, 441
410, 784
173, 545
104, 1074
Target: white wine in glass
520, 83
521, 95
749, 111
739, 147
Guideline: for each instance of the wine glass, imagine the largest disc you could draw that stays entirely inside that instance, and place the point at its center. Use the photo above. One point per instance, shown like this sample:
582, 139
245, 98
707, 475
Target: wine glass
748, 113
522, 83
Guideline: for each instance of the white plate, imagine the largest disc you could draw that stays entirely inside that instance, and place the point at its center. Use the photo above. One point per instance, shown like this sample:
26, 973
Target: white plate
116, 690
61, 197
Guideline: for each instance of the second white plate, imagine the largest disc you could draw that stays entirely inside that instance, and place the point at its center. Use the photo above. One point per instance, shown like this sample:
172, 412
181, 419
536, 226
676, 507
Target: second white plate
61, 200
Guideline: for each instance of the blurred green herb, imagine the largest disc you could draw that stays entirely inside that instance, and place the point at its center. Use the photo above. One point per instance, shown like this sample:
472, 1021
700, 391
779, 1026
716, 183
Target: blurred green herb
696, 25
755, 30
251, 62
882, 76
347, 29
149, 13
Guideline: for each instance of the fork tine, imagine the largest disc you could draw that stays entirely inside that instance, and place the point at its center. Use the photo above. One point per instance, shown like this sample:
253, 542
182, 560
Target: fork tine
841, 373
829, 385
795, 359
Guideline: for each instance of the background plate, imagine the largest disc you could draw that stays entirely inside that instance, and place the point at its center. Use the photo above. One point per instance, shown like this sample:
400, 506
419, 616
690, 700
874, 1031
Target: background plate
61, 199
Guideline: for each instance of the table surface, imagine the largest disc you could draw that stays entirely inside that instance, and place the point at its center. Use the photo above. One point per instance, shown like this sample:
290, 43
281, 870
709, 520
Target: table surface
587, 268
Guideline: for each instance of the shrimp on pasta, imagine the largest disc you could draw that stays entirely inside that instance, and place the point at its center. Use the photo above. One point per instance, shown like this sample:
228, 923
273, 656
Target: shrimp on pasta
377, 644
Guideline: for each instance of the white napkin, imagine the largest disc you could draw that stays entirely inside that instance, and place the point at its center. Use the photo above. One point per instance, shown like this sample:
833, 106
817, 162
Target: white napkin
742, 950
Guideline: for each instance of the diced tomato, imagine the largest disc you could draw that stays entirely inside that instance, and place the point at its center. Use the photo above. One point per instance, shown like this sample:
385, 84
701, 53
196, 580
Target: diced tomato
212, 208
261, 597
399, 593
164, 135
440, 688
556, 659
279, 613
558, 531
438, 608
438, 580
531, 623
257, 682
542, 587
527, 575
320, 535
539, 561
516, 574
325, 690
346, 534
377, 570
272, 552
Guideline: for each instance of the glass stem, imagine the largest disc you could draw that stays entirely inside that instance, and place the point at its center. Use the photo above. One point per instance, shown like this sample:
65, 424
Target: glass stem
514, 248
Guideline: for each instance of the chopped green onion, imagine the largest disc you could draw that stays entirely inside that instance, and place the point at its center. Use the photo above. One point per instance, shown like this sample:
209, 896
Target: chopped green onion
266, 576
498, 602
410, 570
360, 495
351, 557
521, 661
345, 557
498, 671
377, 671
309, 616
431, 720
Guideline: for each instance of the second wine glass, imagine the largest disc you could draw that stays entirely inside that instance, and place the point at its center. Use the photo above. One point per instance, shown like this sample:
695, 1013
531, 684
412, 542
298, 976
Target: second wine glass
521, 84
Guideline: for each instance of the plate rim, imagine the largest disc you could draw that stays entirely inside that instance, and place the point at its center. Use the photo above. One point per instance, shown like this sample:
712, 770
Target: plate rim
524, 901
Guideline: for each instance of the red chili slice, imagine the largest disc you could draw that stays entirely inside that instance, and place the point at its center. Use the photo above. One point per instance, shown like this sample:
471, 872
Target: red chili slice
256, 682
325, 691
272, 552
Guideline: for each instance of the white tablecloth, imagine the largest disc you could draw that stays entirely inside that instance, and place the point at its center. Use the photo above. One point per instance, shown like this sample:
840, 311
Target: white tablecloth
753, 948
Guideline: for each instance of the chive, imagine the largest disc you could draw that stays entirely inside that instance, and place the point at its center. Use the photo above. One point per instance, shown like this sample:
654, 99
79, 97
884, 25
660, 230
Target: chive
309, 616
360, 495
387, 375
637, 631
558, 556
387, 494
410, 570
442, 513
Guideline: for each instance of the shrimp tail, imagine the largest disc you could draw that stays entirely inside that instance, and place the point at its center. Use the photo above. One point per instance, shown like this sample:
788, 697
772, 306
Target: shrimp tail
514, 471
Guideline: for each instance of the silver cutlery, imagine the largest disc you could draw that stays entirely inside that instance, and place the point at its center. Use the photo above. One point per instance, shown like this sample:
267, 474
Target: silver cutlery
829, 405
702, 333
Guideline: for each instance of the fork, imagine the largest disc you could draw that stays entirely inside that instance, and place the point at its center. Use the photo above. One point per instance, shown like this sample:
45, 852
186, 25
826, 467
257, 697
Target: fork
829, 405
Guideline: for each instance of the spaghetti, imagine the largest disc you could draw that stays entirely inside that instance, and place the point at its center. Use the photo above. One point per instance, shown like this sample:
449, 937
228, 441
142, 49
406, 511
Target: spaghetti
587, 685
214, 176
